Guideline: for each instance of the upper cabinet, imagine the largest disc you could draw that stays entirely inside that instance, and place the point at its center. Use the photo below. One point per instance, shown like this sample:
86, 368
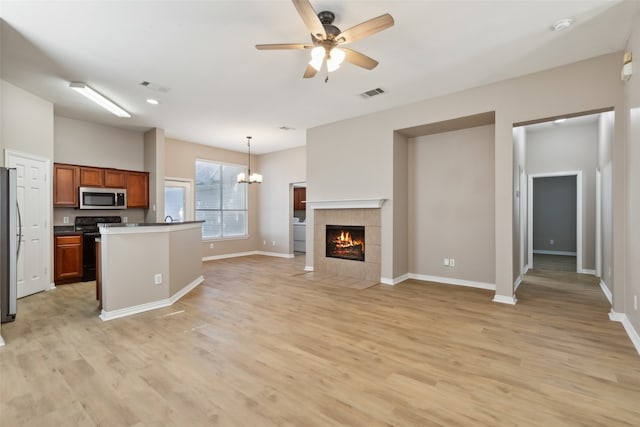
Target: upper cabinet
68, 178
91, 177
299, 199
137, 189
114, 178
65, 185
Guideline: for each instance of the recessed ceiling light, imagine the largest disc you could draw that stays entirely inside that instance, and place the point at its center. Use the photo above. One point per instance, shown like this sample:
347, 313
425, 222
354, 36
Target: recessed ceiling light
153, 101
558, 121
562, 24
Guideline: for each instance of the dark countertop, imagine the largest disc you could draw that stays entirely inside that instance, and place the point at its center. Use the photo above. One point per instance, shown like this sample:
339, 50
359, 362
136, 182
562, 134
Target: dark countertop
61, 230
149, 224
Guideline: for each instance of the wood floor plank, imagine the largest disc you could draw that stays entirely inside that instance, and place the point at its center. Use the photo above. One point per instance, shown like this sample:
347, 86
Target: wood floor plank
263, 343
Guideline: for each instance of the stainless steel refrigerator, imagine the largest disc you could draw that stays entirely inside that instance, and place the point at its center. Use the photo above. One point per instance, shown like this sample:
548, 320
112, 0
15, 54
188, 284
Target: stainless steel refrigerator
10, 233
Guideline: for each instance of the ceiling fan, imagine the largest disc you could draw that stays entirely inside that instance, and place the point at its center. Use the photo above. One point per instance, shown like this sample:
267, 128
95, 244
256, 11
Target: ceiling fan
327, 39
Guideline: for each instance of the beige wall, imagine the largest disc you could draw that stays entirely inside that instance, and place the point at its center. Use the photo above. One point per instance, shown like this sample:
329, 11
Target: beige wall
154, 163
180, 158
401, 234
605, 165
185, 258
570, 147
84, 143
280, 170
583, 86
451, 204
519, 201
632, 109
27, 126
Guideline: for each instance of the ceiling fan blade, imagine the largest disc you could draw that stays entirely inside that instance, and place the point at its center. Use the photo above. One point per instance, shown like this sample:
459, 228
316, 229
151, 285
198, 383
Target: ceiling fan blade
283, 46
365, 29
310, 18
309, 72
357, 58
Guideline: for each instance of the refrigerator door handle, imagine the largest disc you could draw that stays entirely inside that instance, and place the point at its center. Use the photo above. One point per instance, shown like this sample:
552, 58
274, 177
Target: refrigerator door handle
19, 230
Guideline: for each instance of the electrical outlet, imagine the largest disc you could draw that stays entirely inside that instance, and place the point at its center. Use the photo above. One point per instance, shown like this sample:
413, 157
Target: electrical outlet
65, 220
125, 219
210, 245
158, 279
635, 302
264, 242
552, 242
273, 243
446, 262
452, 262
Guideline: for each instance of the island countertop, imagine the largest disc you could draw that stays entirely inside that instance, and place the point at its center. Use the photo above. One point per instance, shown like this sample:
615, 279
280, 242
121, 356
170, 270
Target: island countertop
147, 227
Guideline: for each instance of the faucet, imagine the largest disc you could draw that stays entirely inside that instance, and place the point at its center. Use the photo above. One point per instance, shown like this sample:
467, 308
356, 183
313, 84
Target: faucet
168, 217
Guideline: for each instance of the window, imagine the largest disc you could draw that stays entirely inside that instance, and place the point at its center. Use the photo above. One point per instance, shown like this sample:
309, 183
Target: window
220, 201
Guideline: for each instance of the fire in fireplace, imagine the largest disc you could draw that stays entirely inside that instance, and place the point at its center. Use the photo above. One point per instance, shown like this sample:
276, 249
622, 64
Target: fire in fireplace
345, 242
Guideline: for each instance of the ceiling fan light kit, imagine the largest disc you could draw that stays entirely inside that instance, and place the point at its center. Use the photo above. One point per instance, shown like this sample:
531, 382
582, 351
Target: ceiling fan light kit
326, 39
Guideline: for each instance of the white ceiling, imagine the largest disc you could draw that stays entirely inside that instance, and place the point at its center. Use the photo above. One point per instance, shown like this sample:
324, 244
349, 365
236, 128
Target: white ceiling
223, 89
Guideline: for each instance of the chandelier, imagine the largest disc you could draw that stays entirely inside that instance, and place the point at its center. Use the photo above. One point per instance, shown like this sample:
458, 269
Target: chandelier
250, 178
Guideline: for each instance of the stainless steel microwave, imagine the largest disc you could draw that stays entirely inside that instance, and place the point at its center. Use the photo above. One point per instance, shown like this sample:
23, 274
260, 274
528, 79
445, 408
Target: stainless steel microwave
103, 198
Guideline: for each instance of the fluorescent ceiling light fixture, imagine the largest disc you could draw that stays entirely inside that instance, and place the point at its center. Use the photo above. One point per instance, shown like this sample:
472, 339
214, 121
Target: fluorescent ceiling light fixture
153, 101
99, 99
558, 121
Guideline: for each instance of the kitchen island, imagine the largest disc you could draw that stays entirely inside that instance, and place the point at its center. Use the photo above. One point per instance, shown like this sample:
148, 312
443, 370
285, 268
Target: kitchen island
148, 266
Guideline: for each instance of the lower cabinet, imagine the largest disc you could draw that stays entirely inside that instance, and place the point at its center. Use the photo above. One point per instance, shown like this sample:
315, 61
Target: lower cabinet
67, 258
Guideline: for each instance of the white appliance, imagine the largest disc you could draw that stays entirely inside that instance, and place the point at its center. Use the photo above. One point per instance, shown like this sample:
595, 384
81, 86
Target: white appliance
103, 198
10, 237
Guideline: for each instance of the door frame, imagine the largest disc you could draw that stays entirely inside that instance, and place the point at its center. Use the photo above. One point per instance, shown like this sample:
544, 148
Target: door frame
47, 258
598, 223
579, 229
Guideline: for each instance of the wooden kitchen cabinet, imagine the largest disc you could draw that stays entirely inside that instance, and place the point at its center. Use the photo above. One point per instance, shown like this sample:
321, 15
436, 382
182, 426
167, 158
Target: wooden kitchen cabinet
137, 189
299, 199
91, 177
67, 258
114, 178
65, 185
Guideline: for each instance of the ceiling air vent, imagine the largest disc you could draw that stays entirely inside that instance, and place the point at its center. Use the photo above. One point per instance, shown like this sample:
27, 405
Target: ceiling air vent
155, 87
372, 92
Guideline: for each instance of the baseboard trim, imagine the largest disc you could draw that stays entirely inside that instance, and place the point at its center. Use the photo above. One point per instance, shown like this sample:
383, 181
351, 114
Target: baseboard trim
526, 268
1, 341
241, 254
563, 253
308, 268
628, 327
517, 283
52, 286
503, 299
606, 291
276, 254
452, 281
394, 281
587, 271
141, 308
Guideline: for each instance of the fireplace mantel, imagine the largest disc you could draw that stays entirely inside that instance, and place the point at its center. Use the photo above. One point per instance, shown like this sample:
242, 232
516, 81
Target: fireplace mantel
346, 204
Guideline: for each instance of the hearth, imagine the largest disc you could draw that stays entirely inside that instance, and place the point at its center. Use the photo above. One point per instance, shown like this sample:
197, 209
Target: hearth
345, 242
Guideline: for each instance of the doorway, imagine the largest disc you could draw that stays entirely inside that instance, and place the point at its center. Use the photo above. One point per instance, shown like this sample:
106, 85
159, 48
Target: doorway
178, 200
555, 213
33, 196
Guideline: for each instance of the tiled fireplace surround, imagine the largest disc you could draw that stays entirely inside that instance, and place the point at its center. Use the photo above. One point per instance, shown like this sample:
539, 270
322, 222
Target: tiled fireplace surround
370, 219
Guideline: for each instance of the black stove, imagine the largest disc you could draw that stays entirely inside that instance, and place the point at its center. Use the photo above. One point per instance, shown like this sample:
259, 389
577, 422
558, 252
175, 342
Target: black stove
88, 225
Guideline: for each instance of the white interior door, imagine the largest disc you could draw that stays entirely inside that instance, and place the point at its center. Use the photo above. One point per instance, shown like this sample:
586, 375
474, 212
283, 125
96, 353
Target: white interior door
178, 199
33, 197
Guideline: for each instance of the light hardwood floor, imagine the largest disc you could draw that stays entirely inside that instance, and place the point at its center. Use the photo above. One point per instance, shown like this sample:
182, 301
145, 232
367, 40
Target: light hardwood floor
554, 262
261, 343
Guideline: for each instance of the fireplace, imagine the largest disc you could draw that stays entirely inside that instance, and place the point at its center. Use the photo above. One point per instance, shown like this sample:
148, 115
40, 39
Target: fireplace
345, 242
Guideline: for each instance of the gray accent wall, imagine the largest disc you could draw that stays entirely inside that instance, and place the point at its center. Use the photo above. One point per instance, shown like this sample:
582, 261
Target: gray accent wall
554, 214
